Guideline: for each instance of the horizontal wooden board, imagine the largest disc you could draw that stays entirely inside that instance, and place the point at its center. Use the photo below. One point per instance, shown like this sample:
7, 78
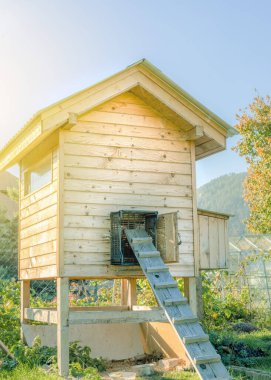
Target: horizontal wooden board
110, 271
99, 234
126, 153
127, 106
186, 259
122, 164
36, 250
104, 210
45, 272
86, 246
78, 258
38, 217
103, 270
128, 176
122, 141
40, 238
127, 199
38, 261
127, 97
148, 132
93, 221
45, 225
104, 234
39, 205
125, 119
127, 188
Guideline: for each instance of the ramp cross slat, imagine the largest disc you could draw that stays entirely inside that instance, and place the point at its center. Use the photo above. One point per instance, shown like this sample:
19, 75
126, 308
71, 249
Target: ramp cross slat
202, 354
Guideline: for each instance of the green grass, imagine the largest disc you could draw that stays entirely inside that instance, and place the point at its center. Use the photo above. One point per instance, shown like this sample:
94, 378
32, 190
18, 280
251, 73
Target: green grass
25, 373
251, 350
262, 340
174, 375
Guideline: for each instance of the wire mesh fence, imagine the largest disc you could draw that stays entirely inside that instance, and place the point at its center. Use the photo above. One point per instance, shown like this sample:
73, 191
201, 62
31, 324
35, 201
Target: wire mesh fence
250, 268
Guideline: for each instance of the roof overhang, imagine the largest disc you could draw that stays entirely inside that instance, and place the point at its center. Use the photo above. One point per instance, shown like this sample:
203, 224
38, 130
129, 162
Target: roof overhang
145, 81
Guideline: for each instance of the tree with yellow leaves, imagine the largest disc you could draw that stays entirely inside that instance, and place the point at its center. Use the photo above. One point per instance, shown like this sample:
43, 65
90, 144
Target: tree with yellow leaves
254, 126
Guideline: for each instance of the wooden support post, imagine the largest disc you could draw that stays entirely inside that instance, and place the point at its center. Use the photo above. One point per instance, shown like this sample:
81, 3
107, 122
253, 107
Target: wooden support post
124, 292
200, 311
63, 326
132, 296
190, 292
25, 303
193, 292
128, 292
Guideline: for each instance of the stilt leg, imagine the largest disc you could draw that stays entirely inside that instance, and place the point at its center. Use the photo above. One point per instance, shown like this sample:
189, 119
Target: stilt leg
132, 296
63, 326
124, 292
190, 292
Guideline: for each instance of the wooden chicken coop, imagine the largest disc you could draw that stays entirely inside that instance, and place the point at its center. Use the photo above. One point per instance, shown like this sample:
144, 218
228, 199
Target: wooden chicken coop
107, 191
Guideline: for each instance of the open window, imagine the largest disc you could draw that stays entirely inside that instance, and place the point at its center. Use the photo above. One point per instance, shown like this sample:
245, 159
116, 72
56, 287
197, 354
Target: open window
38, 175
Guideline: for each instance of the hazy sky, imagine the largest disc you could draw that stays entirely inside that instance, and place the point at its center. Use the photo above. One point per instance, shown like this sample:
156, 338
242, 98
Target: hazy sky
218, 51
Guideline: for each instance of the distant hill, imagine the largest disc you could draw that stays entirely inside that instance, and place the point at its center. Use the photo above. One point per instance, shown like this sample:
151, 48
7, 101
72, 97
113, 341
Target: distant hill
7, 180
224, 194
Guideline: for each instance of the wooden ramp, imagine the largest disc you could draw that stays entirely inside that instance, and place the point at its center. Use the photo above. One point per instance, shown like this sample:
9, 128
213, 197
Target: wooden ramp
202, 354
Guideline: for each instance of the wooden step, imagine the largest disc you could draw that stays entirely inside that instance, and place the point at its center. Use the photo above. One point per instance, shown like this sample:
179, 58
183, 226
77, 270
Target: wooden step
172, 302
196, 339
207, 359
164, 285
156, 269
149, 254
141, 240
180, 320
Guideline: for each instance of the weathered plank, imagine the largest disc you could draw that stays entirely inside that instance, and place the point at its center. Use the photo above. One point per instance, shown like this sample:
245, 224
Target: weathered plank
123, 164
127, 153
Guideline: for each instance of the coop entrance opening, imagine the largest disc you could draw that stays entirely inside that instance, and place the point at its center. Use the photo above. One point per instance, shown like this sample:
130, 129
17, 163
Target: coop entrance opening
121, 252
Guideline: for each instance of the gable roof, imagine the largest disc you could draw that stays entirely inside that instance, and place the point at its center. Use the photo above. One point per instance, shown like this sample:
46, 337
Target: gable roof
146, 81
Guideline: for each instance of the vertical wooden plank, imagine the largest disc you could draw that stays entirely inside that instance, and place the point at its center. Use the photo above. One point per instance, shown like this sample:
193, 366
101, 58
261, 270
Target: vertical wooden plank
204, 242
213, 241
167, 237
195, 208
226, 232
199, 300
124, 292
222, 243
25, 302
63, 326
60, 208
186, 287
132, 296
190, 292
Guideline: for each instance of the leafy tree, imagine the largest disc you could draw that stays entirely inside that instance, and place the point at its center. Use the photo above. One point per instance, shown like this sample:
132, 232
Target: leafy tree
254, 126
8, 240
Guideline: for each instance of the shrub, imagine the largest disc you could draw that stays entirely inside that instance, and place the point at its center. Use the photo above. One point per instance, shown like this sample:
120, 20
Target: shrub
9, 312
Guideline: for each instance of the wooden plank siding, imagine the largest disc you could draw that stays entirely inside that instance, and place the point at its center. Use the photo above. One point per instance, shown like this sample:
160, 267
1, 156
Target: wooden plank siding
38, 221
213, 240
122, 155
